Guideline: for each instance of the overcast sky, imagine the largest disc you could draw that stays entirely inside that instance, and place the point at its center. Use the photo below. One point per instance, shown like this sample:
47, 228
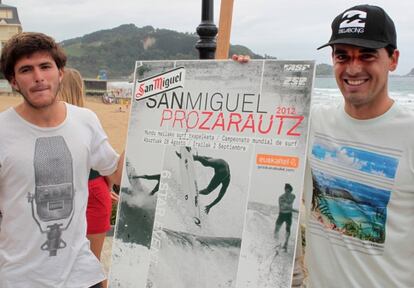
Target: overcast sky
287, 29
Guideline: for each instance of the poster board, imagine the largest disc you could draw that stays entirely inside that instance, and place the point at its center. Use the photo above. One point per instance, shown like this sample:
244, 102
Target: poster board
210, 221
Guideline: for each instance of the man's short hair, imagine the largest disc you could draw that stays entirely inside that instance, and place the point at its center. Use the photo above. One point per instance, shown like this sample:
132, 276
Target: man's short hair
289, 187
390, 50
25, 44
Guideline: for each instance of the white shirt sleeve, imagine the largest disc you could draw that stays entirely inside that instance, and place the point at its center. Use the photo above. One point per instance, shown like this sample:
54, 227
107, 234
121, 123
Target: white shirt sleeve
104, 158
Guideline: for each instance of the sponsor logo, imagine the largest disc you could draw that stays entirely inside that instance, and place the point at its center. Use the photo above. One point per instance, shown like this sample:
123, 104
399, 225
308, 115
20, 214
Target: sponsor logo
296, 67
292, 81
277, 160
353, 22
160, 83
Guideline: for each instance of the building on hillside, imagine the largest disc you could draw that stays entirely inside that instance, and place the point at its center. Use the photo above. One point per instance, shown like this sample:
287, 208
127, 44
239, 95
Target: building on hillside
9, 23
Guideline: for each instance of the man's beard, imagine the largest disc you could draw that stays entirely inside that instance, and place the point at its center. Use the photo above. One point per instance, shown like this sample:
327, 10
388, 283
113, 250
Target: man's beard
34, 106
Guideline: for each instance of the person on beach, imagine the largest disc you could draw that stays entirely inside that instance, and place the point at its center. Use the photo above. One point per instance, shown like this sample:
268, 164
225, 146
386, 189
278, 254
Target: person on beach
52, 146
285, 213
99, 208
221, 176
359, 189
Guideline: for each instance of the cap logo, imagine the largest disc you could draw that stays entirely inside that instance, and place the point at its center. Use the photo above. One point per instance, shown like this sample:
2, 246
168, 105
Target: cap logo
353, 22
363, 26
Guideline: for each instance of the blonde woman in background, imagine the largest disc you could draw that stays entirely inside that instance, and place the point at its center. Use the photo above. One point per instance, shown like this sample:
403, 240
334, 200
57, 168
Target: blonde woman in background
72, 89
98, 212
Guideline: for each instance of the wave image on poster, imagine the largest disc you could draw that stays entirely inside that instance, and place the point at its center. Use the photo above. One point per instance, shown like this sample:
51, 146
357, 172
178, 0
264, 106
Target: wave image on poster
214, 170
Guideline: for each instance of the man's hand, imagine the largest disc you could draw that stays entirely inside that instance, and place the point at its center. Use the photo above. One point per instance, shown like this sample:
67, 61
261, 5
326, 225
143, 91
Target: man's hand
114, 197
241, 58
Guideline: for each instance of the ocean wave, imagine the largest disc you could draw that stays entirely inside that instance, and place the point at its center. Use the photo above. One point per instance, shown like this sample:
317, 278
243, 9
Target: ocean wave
186, 261
191, 240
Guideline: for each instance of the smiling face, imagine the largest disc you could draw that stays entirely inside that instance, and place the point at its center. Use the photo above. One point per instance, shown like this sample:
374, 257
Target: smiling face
362, 76
37, 78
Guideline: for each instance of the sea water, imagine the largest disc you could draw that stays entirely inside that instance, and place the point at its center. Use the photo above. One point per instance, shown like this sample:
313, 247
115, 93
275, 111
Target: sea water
401, 89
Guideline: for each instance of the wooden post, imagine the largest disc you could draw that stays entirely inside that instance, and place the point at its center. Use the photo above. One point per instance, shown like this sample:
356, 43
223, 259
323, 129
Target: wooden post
207, 31
223, 40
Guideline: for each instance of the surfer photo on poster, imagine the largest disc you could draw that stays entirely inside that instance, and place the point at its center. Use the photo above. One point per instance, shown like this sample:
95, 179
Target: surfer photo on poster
156, 177
285, 213
138, 202
202, 240
221, 176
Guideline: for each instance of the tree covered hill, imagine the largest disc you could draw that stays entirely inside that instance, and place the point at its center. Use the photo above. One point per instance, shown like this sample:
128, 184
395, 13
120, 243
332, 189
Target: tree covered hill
116, 50
324, 70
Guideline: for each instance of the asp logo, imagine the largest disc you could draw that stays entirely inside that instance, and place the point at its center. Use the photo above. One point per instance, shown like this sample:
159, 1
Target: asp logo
353, 21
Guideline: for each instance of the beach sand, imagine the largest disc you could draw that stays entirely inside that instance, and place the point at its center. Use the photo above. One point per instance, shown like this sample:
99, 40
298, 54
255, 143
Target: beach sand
115, 124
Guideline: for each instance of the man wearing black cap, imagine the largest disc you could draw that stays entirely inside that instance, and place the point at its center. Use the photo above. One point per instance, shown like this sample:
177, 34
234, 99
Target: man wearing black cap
361, 156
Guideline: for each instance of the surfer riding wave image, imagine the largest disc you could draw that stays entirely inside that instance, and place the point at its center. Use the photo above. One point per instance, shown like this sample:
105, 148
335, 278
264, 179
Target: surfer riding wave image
199, 223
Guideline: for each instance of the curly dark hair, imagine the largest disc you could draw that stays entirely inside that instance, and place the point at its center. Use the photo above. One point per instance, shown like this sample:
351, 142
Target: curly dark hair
25, 44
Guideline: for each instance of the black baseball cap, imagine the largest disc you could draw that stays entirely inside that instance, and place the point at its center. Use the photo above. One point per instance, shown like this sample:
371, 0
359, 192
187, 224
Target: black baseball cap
365, 26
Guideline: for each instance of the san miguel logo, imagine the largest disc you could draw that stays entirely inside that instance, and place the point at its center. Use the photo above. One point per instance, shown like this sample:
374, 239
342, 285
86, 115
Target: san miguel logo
353, 22
160, 83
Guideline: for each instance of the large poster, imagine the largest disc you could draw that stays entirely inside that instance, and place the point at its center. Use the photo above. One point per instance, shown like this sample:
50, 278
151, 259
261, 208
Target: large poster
214, 170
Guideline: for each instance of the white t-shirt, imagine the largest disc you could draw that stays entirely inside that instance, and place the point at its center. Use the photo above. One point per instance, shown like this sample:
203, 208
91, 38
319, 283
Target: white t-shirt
43, 197
360, 212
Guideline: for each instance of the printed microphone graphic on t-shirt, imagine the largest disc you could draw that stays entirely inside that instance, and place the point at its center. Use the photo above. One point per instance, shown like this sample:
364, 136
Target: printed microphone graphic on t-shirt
52, 202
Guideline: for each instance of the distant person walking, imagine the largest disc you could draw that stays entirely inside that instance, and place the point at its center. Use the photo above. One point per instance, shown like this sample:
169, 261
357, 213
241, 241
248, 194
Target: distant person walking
285, 213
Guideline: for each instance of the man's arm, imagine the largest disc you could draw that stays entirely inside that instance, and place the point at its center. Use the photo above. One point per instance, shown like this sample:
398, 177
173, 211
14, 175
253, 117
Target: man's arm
291, 207
115, 177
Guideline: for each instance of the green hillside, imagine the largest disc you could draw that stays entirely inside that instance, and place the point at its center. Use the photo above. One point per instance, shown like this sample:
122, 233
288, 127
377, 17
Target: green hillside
117, 49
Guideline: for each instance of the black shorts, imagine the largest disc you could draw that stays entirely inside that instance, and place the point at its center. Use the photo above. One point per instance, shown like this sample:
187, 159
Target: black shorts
284, 217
